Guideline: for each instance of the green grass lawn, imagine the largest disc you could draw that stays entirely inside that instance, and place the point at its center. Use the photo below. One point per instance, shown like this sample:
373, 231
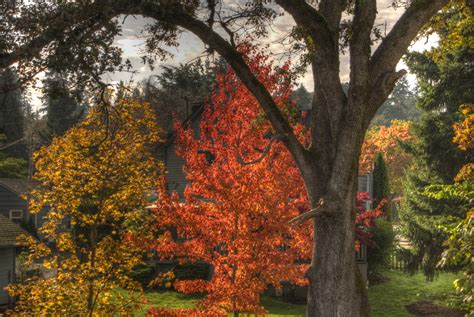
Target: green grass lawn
387, 299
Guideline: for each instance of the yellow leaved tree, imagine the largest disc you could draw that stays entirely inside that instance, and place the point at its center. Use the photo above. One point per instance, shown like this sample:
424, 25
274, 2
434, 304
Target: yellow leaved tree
97, 178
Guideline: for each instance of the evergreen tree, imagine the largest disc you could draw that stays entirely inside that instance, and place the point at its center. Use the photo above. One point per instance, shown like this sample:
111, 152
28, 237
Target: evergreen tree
11, 167
381, 184
62, 108
12, 114
174, 91
303, 97
400, 105
446, 81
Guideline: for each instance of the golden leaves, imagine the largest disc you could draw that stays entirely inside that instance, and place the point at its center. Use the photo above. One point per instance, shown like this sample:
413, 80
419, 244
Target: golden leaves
95, 177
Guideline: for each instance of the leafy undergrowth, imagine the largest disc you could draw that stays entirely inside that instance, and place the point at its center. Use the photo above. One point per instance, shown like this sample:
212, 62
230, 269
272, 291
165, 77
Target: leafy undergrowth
387, 299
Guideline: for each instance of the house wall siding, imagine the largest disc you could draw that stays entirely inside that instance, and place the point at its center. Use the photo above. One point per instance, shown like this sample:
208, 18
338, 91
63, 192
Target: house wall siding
7, 271
175, 178
10, 201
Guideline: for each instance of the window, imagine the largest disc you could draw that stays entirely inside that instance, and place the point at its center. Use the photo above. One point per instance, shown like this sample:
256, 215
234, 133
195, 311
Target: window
16, 216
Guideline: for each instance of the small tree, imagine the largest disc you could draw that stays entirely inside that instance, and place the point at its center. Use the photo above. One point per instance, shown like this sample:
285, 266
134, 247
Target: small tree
94, 177
244, 189
381, 185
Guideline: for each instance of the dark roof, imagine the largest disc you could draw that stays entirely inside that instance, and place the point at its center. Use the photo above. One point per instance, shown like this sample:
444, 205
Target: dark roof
9, 232
17, 185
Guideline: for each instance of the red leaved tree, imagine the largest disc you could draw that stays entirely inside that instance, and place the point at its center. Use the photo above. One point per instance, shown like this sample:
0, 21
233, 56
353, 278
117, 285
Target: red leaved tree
244, 190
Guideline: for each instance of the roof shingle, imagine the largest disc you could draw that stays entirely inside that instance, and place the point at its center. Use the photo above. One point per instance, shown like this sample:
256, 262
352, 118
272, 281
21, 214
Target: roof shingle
9, 232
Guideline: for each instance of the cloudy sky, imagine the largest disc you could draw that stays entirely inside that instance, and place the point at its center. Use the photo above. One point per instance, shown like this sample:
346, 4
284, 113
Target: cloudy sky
131, 42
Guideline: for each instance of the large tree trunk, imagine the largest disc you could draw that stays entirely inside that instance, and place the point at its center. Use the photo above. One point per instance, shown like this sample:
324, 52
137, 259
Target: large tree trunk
336, 286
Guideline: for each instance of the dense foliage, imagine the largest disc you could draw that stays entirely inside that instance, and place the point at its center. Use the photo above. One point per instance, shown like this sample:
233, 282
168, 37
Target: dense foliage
446, 80
461, 235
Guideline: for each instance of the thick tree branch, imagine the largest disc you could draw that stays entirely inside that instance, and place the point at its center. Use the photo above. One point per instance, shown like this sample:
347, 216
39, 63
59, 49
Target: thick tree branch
310, 19
237, 62
360, 43
324, 51
396, 43
332, 11
386, 57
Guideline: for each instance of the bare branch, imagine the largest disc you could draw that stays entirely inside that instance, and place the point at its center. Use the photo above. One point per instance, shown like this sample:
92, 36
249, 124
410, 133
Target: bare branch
211, 5
230, 33
307, 215
264, 152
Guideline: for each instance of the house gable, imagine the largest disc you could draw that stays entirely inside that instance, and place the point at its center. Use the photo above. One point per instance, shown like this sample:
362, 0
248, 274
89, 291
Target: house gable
10, 201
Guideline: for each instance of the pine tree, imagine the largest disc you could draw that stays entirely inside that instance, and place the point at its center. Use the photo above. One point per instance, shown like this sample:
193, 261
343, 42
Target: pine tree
62, 108
400, 105
302, 97
174, 91
11, 115
381, 184
446, 81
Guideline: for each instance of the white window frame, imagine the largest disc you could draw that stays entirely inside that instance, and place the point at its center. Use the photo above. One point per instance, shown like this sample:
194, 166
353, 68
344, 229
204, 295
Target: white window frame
16, 218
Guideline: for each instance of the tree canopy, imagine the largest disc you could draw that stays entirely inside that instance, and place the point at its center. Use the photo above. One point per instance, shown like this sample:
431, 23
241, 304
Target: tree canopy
94, 180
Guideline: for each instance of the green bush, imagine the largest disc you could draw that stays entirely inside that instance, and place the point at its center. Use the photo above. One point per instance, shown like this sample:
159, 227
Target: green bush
192, 271
143, 273
378, 256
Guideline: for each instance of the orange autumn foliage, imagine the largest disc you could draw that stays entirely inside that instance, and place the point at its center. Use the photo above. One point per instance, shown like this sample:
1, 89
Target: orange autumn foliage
235, 216
385, 140
464, 137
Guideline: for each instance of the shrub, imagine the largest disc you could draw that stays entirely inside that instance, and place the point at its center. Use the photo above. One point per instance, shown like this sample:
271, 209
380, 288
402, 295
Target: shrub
378, 256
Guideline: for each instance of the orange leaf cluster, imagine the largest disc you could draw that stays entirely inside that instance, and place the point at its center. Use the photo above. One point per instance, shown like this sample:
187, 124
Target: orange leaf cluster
385, 140
464, 137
